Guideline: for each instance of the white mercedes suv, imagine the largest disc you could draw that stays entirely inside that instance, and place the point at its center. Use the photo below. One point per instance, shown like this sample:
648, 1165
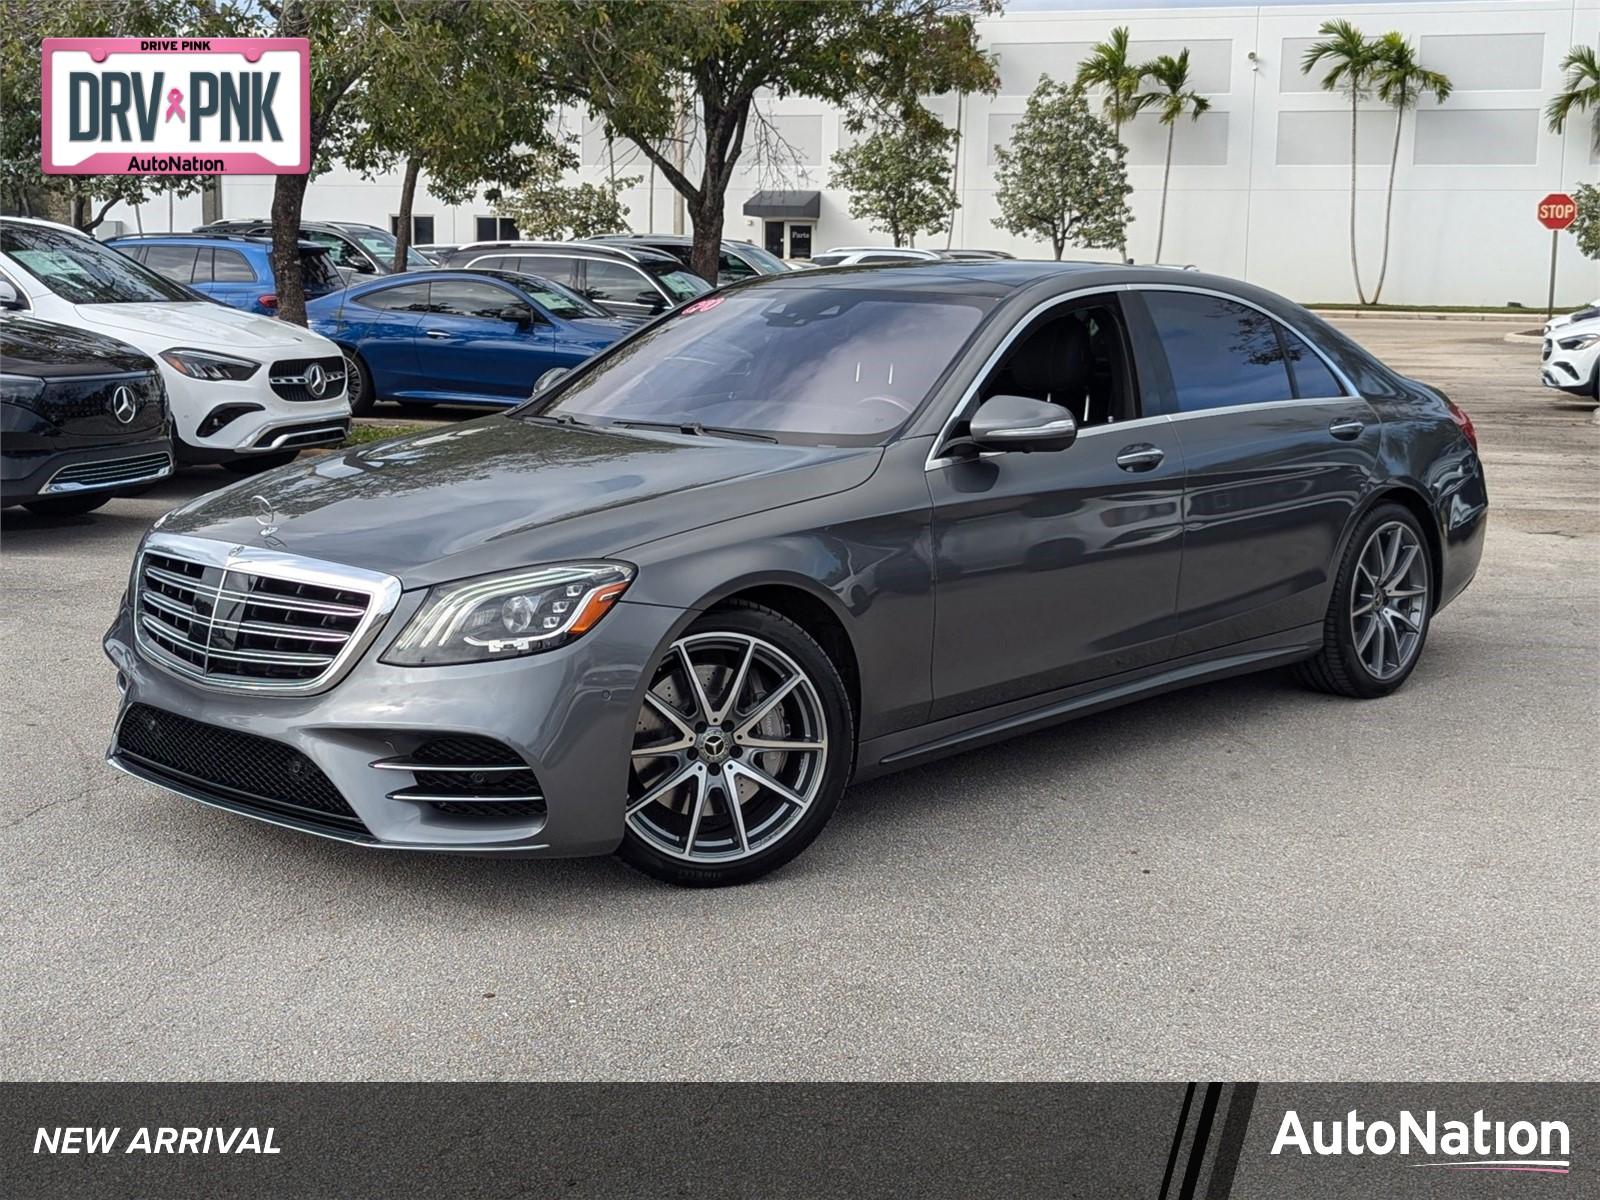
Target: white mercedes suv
1571, 355
246, 391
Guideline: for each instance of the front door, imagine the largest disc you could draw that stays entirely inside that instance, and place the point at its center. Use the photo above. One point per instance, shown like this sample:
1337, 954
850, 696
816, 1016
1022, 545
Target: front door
1279, 453
469, 348
1057, 568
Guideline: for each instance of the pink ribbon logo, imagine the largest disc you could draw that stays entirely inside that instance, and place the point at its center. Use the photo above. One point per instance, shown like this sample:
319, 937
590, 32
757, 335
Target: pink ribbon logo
175, 105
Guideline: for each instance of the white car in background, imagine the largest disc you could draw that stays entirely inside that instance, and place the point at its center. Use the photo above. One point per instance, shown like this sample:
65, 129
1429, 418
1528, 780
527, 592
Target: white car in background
849, 256
1571, 354
248, 392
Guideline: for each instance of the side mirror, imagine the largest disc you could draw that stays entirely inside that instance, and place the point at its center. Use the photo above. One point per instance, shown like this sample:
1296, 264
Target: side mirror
517, 314
548, 380
1018, 423
9, 298
362, 267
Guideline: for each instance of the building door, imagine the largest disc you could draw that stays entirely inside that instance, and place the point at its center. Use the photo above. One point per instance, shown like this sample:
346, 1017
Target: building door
788, 239
774, 238
799, 239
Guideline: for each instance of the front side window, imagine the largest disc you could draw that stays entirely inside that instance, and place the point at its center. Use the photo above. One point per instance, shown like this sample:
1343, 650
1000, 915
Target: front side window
464, 298
82, 271
409, 297
1076, 356
1220, 352
816, 365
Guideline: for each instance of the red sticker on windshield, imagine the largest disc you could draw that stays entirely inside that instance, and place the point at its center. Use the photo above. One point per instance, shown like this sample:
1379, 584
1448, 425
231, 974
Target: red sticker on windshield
702, 305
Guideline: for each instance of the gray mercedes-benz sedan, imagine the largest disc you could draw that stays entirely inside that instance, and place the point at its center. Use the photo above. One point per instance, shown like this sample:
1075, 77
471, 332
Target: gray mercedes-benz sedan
803, 531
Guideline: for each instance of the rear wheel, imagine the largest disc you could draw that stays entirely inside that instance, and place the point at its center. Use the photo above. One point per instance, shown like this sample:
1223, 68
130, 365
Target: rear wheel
255, 464
358, 384
1378, 616
67, 506
741, 751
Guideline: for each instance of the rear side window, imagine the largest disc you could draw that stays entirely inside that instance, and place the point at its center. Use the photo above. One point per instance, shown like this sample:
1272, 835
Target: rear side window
560, 268
174, 262
410, 297
230, 267
1312, 379
1220, 353
617, 283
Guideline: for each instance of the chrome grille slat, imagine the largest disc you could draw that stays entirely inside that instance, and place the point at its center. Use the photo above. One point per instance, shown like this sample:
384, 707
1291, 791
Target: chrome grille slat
110, 472
244, 617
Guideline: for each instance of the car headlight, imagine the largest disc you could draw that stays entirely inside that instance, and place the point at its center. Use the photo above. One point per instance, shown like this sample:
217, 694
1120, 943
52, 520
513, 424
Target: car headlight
1581, 342
20, 389
203, 364
506, 616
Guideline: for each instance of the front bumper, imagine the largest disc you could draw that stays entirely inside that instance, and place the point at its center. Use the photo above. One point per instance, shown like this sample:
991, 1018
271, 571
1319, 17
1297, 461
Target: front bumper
569, 714
1575, 372
113, 469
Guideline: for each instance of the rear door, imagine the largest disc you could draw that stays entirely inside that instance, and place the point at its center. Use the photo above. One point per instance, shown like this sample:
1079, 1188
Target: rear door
470, 349
1279, 451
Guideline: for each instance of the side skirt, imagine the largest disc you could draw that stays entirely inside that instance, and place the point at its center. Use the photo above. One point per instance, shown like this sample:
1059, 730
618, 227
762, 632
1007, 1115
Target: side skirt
913, 747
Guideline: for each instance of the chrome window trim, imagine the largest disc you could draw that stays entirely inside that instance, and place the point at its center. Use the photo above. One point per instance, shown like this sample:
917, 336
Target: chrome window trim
935, 461
1352, 392
1293, 402
383, 592
631, 263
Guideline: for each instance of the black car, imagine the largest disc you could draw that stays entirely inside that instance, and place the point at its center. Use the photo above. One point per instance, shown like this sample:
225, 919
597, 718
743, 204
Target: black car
84, 418
627, 281
735, 260
354, 248
807, 530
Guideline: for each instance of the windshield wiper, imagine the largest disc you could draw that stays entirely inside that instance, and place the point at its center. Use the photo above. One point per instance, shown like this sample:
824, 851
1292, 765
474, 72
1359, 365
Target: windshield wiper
695, 429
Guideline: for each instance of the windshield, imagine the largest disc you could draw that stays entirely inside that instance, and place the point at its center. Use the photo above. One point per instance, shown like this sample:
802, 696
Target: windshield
681, 283
767, 264
555, 299
82, 271
822, 364
381, 246
317, 269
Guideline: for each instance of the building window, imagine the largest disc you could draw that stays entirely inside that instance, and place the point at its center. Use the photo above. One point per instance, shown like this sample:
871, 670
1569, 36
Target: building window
495, 229
421, 229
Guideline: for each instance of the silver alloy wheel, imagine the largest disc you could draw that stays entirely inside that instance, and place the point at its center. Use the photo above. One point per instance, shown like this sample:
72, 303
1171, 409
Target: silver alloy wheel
1389, 600
729, 751
354, 389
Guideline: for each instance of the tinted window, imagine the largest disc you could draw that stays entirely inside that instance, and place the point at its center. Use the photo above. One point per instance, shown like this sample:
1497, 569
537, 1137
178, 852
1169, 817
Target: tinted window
175, 262
816, 364
1312, 379
382, 246
1220, 352
341, 251
730, 268
554, 298
561, 269
464, 298
766, 263
495, 263
410, 297
828, 260
230, 267
618, 283
316, 265
681, 283
82, 271
202, 266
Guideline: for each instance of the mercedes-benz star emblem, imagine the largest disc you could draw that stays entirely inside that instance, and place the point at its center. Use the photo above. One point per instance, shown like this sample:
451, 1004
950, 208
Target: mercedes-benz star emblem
316, 380
266, 515
123, 406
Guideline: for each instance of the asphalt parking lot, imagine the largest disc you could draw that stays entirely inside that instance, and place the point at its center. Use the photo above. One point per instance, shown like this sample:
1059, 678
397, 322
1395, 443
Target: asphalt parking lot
1245, 880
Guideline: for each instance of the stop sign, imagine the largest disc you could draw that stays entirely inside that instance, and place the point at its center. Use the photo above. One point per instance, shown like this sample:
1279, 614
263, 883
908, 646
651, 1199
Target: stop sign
1557, 210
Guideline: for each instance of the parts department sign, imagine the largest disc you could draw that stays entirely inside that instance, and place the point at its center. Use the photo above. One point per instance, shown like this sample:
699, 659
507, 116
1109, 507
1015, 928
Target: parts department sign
176, 106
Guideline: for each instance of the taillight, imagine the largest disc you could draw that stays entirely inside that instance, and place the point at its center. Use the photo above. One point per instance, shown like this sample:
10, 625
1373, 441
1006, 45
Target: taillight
1461, 419
267, 301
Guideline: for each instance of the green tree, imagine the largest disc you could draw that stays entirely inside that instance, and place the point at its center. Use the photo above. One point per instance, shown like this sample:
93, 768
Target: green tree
1063, 178
1586, 227
1580, 91
1350, 58
1401, 80
629, 61
544, 207
898, 182
1173, 99
82, 200
1110, 66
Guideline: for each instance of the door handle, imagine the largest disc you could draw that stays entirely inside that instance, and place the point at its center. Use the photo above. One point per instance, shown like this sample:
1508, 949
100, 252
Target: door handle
1140, 457
436, 333
1347, 431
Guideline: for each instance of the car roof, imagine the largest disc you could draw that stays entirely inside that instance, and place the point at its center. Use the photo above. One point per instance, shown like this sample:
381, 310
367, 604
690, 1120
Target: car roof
249, 239
1002, 275
638, 254
661, 239
43, 224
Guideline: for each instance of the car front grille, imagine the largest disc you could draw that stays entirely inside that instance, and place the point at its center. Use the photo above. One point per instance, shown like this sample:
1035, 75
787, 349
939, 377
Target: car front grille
465, 775
250, 771
111, 472
295, 380
265, 622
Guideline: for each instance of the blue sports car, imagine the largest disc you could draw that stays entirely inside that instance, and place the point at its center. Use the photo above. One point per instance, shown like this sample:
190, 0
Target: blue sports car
459, 337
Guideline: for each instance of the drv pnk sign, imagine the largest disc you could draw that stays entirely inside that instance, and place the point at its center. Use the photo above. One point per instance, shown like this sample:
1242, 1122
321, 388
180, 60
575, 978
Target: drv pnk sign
176, 106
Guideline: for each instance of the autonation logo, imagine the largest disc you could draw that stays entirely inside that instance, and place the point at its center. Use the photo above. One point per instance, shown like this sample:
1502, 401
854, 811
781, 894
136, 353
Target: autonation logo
1477, 1145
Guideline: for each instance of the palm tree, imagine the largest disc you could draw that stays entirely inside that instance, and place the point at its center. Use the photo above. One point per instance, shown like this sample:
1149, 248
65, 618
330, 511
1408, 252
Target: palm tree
1400, 81
1172, 98
1580, 90
1350, 58
1110, 66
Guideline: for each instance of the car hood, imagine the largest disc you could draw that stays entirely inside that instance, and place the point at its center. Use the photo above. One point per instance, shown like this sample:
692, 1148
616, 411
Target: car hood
200, 324
502, 492
599, 331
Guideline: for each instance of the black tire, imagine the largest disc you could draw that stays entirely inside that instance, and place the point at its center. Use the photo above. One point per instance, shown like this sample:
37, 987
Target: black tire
1339, 668
255, 464
358, 384
68, 506
743, 619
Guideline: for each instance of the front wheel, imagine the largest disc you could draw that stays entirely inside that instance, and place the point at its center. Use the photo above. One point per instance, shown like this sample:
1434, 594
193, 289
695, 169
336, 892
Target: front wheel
358, 384
1378, 616
741, 751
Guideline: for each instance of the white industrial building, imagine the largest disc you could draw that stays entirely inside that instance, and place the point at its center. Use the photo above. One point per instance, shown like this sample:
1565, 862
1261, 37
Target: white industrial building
1260, 184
